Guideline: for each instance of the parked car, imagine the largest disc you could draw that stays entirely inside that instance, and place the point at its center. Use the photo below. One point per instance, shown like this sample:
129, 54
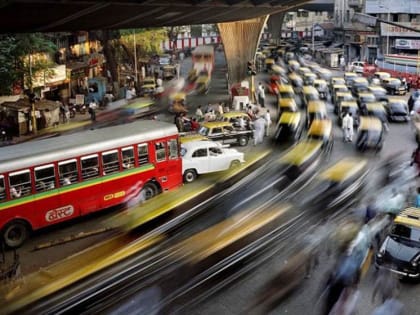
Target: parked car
397, 109
201, 157
400, 251
225, 133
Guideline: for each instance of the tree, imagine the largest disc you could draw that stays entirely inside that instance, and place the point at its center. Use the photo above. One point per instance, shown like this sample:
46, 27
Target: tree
21, 57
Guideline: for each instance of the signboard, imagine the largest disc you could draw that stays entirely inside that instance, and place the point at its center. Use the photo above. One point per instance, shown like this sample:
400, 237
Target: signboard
392, 30
392, 6
364, 19
80, 99
407, 43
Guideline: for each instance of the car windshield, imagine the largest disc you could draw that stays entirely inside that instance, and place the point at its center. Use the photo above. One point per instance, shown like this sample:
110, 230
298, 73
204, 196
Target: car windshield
286, 95
406, 232
397, 106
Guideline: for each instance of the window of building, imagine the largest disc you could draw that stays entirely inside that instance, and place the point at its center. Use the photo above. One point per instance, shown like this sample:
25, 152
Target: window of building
20, 184
110, 162
127, 157
2, 188
44, 177
90, 166
173, 149
160, 151
143, 154
68, 172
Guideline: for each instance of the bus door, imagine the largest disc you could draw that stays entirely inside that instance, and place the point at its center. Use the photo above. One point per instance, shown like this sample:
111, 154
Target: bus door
168, 163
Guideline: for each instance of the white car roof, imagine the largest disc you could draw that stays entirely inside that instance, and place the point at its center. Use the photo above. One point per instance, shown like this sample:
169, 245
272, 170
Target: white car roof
200, 144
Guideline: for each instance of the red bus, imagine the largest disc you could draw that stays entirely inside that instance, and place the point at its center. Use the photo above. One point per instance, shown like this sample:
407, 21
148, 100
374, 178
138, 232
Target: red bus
53, 180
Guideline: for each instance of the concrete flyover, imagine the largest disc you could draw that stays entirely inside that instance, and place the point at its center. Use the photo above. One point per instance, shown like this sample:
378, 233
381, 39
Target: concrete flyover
240, 21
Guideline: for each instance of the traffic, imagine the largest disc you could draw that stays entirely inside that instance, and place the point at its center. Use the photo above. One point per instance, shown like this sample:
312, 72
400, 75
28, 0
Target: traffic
242, 223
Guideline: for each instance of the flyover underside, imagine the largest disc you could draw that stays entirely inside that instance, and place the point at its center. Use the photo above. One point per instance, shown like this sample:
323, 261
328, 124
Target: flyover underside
274, 24
240, 40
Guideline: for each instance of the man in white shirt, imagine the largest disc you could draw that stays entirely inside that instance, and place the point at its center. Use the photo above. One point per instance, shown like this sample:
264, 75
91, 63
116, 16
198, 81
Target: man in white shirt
261, 95
348, 127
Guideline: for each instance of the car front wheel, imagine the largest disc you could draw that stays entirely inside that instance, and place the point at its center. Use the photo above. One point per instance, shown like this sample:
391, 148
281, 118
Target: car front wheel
243, 141
235, 164
190, 175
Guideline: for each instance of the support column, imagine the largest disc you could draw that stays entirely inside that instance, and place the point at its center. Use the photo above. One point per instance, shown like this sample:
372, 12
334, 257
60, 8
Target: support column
274, 25
240, 41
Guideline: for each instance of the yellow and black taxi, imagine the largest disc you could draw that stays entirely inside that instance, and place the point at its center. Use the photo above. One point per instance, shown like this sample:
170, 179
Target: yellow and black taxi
397, 109
400, 251
289, 127
301, 159
360, 84
309, 78
303, 70
348, 107
377, 110
278, 70
309, 93
342, 97
381, 75
177, 103
365, 97
369, 134
294, 65
394, 86
234, 117
287, 105
296, 81
225, 133
269, 62
323, 73
337, 184
338, 88
349, 77
316, 109
322, 88
337, 80
379, 92
321, 130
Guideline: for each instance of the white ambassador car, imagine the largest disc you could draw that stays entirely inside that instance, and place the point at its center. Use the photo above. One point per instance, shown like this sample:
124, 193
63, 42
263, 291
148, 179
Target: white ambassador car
201, 157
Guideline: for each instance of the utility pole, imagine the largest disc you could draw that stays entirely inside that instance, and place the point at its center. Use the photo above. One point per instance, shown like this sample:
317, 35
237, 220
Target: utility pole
32, 98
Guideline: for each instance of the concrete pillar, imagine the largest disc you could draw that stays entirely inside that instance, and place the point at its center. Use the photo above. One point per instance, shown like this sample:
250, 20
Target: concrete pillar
240, 41
274, 25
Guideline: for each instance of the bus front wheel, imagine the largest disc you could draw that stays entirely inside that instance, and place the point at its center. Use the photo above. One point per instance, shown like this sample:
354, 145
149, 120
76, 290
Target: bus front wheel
150, 190
15, 233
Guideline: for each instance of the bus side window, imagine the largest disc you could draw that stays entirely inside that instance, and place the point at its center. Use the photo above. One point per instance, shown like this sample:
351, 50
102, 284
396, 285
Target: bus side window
143, 154
89, 166
173, 149
20, 184
44, 177
110, 162
2, 188
127, 158
68, 172
160, 151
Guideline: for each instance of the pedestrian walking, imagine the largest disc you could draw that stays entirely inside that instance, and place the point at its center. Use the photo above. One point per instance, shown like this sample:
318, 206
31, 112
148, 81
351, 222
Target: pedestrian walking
348, 127
259, 129
268, 122
261, 95
92, 110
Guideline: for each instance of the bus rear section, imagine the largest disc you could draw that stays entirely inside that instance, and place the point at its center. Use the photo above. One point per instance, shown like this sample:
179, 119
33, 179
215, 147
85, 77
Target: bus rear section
54, 180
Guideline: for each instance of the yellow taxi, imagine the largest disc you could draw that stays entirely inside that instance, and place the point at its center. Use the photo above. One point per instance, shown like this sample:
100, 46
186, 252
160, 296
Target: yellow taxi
338, 88
369, 134
337, 185
321, 129
379, 92
296, 80
316, 110
177, 103
185, 137
376, 109
349, 77
269, 62
337, 80
322, 88
324, 73
225, 133
381, 75
286, 91
234, 116
340, 97
309, 78
289, 127
309, 93
287, 105
365, 97
303, 157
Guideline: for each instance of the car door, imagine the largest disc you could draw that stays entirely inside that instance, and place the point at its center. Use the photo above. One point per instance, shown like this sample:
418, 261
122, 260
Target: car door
200, 160
218, 161
230, 135
217, 134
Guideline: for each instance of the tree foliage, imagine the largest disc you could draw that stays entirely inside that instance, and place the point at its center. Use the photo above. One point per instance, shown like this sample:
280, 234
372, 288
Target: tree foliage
148, 41
15, 53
